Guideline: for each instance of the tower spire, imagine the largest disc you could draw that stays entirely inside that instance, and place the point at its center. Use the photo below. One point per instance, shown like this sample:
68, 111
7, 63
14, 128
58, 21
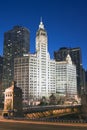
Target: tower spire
41, 25
68, 59
41, 20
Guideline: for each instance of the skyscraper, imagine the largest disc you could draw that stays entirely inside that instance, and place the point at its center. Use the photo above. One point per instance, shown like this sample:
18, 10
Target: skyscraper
66, 81
39, 76
16, 43
76, 57
46, 67
35, 73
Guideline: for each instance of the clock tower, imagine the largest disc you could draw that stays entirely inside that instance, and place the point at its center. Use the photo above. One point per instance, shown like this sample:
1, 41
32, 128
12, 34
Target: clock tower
42, 60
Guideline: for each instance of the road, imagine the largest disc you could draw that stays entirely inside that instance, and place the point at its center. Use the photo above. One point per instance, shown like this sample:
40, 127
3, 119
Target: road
29, 125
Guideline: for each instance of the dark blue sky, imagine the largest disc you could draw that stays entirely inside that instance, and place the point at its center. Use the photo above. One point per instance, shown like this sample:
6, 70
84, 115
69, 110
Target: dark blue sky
64, 20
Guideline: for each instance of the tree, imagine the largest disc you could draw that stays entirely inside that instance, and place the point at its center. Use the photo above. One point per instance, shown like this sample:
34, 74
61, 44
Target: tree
43, 101
52, 100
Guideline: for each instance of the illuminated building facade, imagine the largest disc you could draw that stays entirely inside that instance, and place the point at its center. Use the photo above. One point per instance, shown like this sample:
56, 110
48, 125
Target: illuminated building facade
66, 81
35, 73
76, 57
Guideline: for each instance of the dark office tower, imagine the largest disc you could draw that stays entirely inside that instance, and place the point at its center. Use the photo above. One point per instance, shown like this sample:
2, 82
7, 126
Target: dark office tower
16, 43
84, 80
76, 57
1, 71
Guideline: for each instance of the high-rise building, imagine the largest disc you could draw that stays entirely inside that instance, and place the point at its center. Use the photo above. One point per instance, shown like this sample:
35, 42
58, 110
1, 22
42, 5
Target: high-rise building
76, 57
46, 75
16, 43
21, 75
35, 73
66, 81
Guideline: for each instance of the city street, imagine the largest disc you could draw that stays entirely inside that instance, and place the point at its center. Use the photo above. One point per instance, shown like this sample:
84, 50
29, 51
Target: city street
26, 125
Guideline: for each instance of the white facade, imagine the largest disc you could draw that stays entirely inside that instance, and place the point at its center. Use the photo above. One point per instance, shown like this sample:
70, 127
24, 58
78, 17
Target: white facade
40, 70
51, 77
45, 66
42, 60
40, 76
33, 89
66, 83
